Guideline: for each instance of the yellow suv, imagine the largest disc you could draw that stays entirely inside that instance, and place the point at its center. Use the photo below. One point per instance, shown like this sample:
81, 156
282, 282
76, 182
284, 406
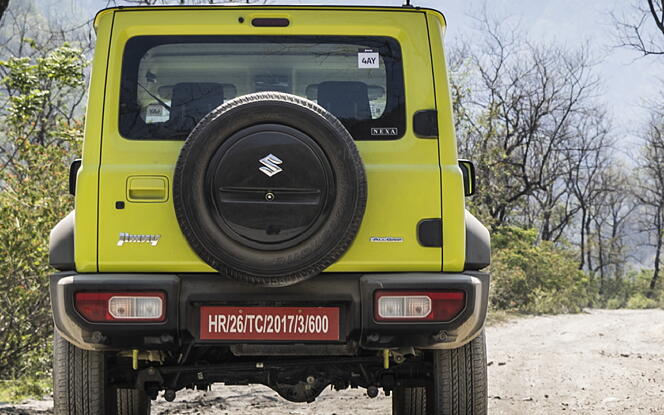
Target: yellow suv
271, 195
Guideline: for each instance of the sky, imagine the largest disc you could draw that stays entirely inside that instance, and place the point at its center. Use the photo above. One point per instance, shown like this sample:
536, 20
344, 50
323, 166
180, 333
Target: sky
627, 79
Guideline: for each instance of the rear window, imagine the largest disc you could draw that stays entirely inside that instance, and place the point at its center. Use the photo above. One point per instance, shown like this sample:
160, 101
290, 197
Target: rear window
170, 82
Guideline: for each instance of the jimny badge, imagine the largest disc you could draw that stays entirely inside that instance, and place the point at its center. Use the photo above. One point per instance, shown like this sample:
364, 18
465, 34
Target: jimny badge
129, 238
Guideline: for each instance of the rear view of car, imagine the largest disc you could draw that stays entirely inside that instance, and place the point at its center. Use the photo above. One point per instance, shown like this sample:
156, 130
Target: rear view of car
270, 195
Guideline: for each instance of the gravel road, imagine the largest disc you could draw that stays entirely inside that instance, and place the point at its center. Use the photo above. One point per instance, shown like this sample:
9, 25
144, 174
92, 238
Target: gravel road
608, 362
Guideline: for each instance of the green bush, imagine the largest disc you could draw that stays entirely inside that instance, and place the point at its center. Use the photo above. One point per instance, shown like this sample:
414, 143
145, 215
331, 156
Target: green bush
536, 276
615, 303
640, 301
631, 291
33, 198
27, 387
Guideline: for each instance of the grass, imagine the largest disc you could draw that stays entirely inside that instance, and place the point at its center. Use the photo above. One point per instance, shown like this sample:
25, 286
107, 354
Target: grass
498, 317
17, 390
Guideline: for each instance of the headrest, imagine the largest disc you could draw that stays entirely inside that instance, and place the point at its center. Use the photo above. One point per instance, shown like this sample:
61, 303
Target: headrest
191, 101
345, 99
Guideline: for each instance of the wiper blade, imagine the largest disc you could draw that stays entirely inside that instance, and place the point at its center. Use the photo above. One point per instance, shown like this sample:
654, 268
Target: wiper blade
162, 103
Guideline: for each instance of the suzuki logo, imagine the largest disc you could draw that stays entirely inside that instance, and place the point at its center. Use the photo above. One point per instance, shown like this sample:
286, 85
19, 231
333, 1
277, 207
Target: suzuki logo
269, 163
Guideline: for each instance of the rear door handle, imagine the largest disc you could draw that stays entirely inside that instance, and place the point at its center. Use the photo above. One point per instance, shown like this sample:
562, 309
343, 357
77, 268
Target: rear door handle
147, 189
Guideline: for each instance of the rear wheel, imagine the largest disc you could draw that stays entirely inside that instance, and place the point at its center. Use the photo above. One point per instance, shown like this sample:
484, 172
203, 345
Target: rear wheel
80, 386
459, 384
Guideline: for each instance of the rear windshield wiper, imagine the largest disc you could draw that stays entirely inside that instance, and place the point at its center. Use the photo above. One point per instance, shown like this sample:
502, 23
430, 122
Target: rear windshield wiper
162, 103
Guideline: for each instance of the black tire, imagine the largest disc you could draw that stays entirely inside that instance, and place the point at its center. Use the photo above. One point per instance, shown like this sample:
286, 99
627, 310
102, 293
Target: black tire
459, 384
80, 387
205, 154
409, 401
132, 401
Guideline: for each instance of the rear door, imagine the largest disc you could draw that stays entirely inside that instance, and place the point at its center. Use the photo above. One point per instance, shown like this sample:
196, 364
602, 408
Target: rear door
156, 53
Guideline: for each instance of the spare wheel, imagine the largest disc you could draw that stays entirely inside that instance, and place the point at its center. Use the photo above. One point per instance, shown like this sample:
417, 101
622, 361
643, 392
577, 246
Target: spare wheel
269, 188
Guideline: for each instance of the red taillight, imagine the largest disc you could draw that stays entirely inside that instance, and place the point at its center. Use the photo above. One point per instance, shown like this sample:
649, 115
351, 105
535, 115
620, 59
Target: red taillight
101, 307
418, 305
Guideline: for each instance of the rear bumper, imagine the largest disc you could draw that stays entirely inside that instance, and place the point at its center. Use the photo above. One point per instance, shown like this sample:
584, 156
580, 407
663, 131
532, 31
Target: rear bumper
353, 293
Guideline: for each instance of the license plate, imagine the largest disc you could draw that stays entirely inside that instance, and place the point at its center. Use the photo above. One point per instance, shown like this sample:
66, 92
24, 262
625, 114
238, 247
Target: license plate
269, 323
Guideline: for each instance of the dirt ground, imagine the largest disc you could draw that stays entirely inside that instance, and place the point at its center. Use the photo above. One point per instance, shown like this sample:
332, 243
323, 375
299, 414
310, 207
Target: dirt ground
598, 362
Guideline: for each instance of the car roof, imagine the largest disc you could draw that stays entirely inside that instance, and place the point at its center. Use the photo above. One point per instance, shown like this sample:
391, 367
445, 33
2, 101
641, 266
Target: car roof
240, 6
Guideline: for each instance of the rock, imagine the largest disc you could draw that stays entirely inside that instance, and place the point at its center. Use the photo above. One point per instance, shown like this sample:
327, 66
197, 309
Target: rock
610, 399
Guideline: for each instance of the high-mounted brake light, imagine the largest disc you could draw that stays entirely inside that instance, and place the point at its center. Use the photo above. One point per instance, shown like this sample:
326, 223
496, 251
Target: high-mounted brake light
270, 22
418, 305
103, 307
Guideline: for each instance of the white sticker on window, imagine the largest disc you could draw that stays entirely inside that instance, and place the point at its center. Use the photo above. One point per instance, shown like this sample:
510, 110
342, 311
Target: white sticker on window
155, 113
367, 58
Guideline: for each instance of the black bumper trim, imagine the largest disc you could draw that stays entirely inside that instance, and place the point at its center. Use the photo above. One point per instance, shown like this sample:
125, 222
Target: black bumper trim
353, 293
117, 336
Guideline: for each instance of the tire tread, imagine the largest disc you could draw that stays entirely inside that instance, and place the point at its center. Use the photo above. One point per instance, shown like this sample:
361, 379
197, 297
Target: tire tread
459, 384
80, 387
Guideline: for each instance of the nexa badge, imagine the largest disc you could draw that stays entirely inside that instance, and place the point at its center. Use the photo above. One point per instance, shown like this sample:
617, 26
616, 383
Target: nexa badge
388, 131
128, 238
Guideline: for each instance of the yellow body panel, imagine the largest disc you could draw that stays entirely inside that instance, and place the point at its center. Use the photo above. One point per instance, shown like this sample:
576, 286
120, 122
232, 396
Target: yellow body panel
404, 175
454, 225
85, 241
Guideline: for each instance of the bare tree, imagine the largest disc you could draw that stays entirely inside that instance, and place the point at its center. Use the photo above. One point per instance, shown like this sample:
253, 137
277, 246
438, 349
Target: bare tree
607, 221
521, 110
585, 168
3, 6
643, 28
563, 195
650, 192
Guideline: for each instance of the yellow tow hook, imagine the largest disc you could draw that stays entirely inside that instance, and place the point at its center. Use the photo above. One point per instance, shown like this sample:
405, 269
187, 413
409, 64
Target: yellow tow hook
134, 359
386, 359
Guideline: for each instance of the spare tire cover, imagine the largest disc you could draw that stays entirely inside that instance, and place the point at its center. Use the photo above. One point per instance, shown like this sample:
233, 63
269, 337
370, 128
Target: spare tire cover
270, 189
